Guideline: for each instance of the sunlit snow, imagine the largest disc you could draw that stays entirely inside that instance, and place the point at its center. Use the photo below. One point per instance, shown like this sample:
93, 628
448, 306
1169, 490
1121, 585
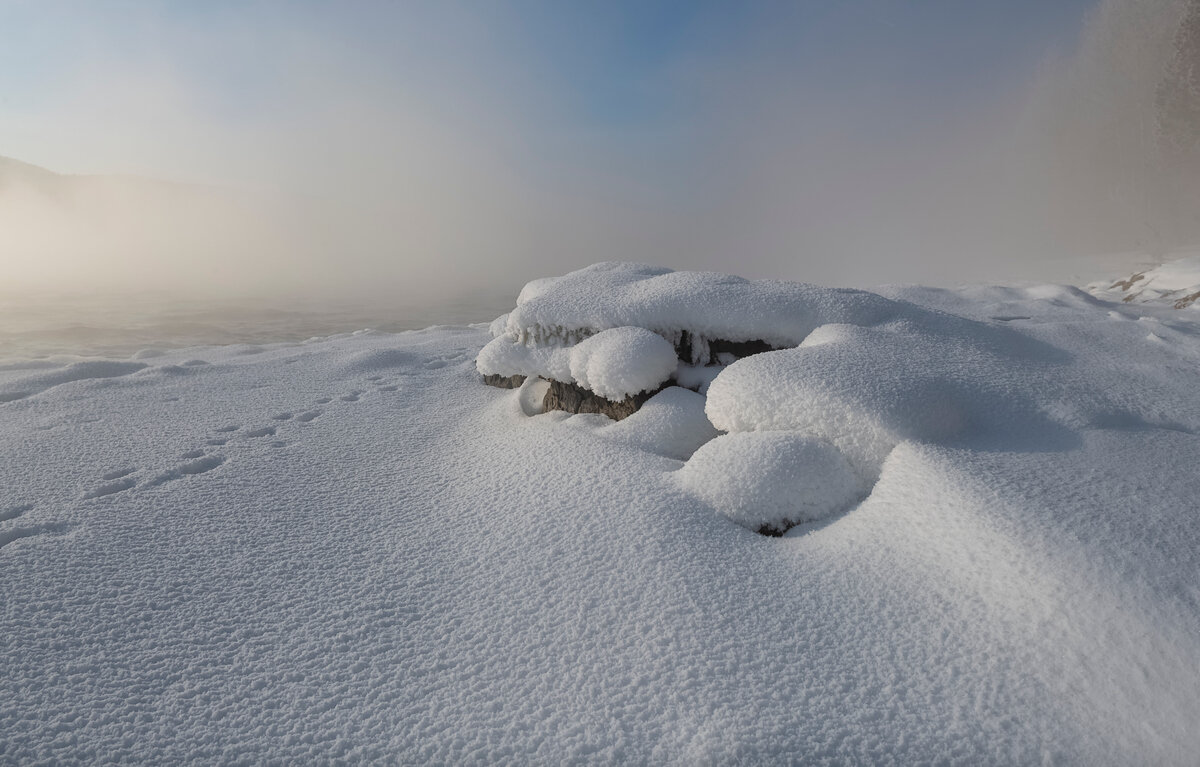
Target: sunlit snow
350, 548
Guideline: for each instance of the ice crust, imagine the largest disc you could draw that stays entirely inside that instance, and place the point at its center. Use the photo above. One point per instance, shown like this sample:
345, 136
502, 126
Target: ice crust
349, 550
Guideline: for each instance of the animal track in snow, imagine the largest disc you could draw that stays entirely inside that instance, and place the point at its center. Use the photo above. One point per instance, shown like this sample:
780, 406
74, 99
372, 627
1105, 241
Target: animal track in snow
265, 431
227, 429
436, 363
308, 416
191, 468
192, 454
118, 474
120, 486
16, 533
282, 417
217, 442
351, 397
325, 400
15, 511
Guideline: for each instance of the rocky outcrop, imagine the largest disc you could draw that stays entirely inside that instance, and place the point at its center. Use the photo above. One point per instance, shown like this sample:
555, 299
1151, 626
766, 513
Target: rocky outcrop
576, 399
504, 382
573, 398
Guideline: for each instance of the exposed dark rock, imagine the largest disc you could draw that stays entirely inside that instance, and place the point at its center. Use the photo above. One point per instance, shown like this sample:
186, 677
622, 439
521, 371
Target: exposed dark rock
719, 346
576, 399
738, 348
774, 530
1126, 284
1187, 300
504, 382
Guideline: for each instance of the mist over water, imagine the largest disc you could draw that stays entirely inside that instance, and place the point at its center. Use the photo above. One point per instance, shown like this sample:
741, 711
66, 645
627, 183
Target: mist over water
373, 168
35, 325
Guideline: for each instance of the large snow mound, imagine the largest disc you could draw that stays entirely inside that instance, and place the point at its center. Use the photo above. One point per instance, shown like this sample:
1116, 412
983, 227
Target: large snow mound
621, 362
865, 390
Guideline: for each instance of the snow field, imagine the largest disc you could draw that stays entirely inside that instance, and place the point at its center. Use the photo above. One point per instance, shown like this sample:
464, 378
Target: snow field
351, 550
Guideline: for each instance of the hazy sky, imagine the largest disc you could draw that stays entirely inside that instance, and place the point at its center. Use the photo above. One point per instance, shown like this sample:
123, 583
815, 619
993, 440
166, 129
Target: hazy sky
455, 141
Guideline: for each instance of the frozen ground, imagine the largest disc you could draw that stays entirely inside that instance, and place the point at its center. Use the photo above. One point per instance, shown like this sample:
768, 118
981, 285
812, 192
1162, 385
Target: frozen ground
350, 549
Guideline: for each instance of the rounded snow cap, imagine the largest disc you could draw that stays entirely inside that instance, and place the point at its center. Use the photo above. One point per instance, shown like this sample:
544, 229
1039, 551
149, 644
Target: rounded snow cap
621, 362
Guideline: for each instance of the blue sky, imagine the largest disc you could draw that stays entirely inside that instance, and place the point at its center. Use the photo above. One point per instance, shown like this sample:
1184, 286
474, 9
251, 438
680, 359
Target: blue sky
603, 67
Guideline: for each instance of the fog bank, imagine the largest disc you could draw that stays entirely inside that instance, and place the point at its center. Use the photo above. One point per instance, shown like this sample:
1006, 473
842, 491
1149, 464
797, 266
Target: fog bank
440, 149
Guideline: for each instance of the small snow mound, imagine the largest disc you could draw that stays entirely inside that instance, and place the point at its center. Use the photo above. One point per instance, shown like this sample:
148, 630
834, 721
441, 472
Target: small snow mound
497, 326
504, 356
769, 481
671, 423
621, 362
532, 395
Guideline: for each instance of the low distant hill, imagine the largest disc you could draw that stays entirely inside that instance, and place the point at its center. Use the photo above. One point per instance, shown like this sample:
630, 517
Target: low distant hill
16, 175
88, 231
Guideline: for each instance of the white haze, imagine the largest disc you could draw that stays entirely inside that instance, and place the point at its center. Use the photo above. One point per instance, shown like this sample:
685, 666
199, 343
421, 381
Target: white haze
452, 165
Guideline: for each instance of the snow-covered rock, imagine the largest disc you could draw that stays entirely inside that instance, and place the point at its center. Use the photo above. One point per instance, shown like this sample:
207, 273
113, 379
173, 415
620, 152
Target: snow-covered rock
1175, 284
611, 372
505, 356
608, 328
620, 362
692, 306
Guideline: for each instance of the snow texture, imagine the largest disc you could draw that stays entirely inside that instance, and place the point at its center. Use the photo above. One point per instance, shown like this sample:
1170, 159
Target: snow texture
349, 550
